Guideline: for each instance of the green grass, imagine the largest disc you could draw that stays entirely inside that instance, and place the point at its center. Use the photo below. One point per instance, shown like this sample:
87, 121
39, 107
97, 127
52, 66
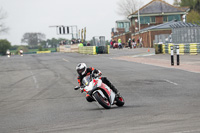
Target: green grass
13, 51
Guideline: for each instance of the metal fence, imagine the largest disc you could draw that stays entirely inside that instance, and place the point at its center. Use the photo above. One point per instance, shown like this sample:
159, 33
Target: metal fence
99, 41
185, 33
162, 38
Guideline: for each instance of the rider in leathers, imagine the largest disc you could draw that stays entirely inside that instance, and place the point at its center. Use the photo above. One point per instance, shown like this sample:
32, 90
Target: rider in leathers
83, 71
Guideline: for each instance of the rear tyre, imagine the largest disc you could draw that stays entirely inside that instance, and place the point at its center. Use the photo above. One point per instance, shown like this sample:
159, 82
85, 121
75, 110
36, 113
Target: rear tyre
103, 102
119, 101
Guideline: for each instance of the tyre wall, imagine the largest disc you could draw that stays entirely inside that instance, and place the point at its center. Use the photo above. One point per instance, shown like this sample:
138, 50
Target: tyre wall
190, 48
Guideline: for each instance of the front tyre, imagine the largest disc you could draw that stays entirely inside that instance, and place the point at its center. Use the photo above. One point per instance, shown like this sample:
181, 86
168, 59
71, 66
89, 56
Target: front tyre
103, 102
119, 101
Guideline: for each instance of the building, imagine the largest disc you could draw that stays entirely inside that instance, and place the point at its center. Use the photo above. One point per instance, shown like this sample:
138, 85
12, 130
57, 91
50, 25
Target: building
154, 13
122, 30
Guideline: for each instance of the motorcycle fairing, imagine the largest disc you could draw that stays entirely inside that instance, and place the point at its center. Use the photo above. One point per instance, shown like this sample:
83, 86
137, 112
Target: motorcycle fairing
98, 85
109, 92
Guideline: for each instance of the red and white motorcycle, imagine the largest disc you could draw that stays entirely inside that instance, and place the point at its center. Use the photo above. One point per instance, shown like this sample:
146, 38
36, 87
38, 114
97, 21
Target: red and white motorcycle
100, 92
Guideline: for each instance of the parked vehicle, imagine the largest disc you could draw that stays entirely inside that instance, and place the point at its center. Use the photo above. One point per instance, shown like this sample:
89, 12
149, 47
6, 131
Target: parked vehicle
115, 45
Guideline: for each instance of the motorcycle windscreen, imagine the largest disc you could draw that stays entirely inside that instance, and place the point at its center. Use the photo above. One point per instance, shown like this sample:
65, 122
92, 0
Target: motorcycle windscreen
86, 80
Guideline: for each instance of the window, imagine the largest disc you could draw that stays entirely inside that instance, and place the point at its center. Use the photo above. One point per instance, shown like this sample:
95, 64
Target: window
171, 17
165, 19
146, 20
133, 21
152, 19
120, 25
126, 27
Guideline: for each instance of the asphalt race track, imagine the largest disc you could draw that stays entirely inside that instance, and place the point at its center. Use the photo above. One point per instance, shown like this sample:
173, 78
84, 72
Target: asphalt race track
37, 96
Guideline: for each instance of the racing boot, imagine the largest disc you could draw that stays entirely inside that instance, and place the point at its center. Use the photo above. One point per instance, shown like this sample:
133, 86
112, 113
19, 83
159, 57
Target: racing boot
113, 88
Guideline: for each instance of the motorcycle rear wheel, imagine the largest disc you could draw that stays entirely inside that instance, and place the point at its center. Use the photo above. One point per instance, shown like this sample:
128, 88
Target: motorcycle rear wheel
103, 102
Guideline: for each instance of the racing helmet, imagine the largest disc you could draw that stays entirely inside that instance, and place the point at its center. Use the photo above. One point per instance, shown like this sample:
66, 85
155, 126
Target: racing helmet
81, 68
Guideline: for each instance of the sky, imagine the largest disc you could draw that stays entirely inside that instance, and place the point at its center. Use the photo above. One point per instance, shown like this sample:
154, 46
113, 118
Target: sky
28, 16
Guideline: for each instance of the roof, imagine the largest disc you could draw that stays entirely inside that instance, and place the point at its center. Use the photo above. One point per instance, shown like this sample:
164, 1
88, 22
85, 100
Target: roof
159, 7
181, 24
169, 25
160, 26
126, 20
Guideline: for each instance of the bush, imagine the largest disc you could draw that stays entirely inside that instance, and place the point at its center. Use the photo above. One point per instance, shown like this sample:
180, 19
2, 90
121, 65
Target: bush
46, 49
24, 48
4, 46
40, 48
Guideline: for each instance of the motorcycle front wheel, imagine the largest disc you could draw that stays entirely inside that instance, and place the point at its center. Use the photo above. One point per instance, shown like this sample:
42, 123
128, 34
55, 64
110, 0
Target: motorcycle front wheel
103, 102
119, 101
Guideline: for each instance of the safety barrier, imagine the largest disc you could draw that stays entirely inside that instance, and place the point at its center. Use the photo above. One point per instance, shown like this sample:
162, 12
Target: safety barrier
87, 50
92, 50
103, 49
68, 48
191, 48
39, 52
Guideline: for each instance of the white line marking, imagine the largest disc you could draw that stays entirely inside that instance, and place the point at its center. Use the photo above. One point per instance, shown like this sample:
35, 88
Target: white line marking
140, 55
35, 80
170, 82
65, 60
190, 131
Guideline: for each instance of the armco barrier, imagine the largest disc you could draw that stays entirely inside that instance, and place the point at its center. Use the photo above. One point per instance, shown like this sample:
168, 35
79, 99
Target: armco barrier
191, 48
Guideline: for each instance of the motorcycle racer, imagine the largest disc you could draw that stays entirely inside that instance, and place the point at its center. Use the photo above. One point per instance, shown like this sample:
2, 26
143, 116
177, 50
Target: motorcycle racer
21, 52
83, 71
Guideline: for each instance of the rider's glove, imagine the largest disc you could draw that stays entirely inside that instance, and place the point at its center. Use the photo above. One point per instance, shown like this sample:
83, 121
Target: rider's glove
95, 75
81, 89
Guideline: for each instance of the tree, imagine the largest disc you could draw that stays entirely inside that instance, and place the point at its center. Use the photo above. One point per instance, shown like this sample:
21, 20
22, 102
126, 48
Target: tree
3, 28
33, 39
194, 14
193, 4
197, 6
176, 3
24, 48
53, 42
127, 7
4, 46
190, 3
193, 17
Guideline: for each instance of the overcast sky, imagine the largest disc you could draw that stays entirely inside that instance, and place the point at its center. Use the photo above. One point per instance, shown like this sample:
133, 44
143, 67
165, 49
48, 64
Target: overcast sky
23, 16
